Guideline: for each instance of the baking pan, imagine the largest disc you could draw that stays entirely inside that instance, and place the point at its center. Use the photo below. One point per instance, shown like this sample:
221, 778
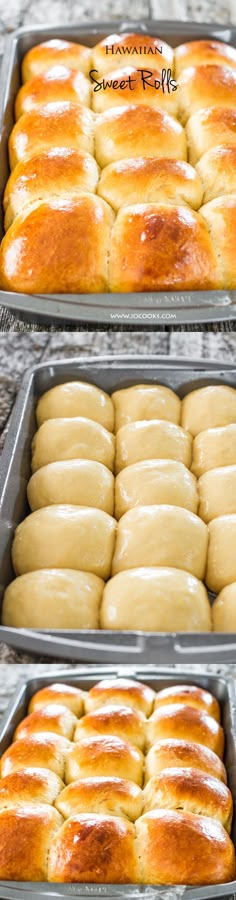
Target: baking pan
149, 309
109, 373
158, 678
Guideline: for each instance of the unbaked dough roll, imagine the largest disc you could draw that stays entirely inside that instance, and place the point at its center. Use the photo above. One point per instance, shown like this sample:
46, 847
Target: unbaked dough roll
161, 536
214, 448
76, 398
76, 438
217, 493
155, 482
81, 482
208, 407
53, 598
152, 440
224, 610
155, 599
221, 560
65, 537
146, 401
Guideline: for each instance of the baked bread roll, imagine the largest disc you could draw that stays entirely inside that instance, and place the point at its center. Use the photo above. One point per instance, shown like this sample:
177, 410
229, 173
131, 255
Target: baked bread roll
81, 482
145, 401
224, 610
108, 796
155, 481
192, 696
162, 247
217, 170
174, 753
30, 786
58, 440
121, 721
56, 83
56, 52
209, 52
221, 560
122, 692
214, 448
65, 694
45, 750
73, 234
53, 717
104, 756
189, 790
127, 84
94, 848
26, 835
220, 217
53, 125
76, 398
133, 131
65, 537
161, 536
144, 50
150, 181
217, 492
208, 128
53, 598
177, 720
153, 440
155, 599
211, 85
182, 848
208, 407
62, 172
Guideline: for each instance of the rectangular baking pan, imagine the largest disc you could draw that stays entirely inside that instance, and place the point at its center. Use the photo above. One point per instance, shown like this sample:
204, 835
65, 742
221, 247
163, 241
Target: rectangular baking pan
158, 678
139, 309
109, 373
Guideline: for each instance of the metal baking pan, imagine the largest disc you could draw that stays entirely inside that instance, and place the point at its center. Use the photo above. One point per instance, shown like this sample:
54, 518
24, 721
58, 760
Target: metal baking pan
158, 678
109, 373
139, 309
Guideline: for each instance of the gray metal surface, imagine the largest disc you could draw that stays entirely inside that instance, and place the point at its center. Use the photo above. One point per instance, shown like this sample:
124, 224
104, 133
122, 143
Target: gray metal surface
141, 309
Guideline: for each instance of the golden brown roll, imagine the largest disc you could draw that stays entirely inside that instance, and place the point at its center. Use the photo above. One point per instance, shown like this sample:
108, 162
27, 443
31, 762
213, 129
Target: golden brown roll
208, 407
174, 753
29, 785
208, 128
52, 125
224, 610
122, 692
192, 696
189, 790
214, 448
81, 482
94, 848
56, 52
161, 536
217, 492
220, 217
121, 721
47, 750
63, 247
109, 796
63, 439
221, 559
104, 756
217, 170
208, 85
62, 172
155, 481
155, 599
178, 720
182, 848
53, 717
150, 181
57, 537
162, 247
26, 834
145, 401
64, 694
157, 439
134, 131
144, 51
209, 52
53, 598
76, 398
56, 83
127, 84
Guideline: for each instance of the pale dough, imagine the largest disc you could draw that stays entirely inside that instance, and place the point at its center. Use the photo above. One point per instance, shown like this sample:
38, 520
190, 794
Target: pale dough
145, 401
76, 398
213, 448
53, 598
217, 493
154, 482
208, 407
155, 599
221, 562
81, 482
78, 438
224, 609
152, 440
161, 536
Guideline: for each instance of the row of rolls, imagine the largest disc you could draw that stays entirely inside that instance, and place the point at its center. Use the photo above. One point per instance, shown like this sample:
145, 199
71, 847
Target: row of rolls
119, 784
137, 490
101, 198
